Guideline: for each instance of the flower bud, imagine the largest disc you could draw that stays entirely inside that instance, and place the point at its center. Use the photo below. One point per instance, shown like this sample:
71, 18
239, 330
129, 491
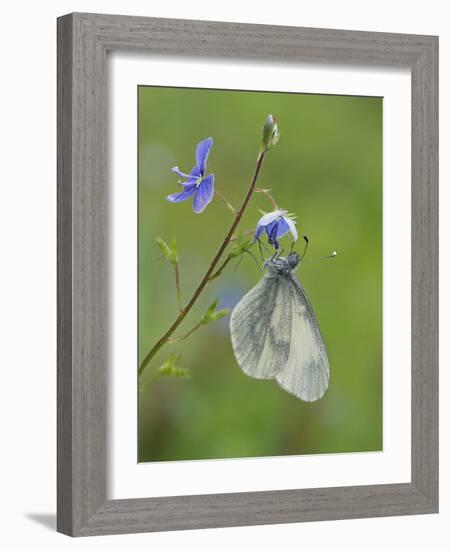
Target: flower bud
270, 133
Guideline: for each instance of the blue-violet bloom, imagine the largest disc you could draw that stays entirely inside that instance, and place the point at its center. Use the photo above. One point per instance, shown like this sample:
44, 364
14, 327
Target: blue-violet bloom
276, 224
196, 184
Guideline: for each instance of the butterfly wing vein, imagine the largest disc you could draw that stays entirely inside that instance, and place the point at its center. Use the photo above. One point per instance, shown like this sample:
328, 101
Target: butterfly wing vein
260, 329
274, 334
307, 372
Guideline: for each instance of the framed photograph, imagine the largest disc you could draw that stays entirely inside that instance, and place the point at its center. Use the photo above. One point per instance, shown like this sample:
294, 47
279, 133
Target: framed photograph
247, 274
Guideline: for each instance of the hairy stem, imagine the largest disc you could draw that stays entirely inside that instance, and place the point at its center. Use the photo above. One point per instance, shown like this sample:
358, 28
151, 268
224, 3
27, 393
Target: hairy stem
266, 193
224, 200
221, 268
188, 333
244, 234
165, 337
153, 378
177, 284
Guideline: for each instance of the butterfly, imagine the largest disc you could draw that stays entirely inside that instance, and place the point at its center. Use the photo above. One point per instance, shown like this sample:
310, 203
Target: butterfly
274, 332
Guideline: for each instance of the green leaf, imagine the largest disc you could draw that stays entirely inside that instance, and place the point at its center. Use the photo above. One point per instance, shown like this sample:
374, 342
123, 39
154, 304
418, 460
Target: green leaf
169, 250
212, 314
209, 312
240, 245
219, 314
173, 246
169, 368
181, 372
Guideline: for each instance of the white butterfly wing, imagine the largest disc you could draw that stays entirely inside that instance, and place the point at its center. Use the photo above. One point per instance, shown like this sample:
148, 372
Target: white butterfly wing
307, 372
261, 328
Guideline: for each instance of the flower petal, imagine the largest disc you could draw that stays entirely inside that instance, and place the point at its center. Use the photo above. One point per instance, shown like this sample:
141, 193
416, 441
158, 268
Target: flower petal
181, 174
184, 195
271, 231
259, 230
201, 154
195, 173
191, 181
292, 228
282, 228
271, 217
204, 194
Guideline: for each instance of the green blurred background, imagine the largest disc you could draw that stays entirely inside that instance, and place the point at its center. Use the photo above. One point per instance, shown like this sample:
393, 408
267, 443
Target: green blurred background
327, 169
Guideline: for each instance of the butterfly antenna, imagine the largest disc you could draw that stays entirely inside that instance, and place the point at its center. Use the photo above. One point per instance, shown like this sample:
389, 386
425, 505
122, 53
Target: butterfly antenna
305, 238
332, 255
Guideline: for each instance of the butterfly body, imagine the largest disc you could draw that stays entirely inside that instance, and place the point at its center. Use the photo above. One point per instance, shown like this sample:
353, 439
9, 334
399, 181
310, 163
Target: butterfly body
275, 334
283, 266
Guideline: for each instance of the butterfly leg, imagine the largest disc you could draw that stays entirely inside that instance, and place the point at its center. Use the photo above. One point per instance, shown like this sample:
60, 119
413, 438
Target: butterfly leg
261, 246
255, 259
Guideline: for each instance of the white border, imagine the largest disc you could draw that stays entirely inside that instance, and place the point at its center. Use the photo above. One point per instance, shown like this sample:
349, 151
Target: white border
127, 479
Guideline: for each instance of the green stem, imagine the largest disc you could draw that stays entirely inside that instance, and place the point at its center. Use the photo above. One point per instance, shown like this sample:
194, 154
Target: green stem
266, 193
152, 379
165, 337
224, 200
244, 234
221, 268
188, 333
177, 284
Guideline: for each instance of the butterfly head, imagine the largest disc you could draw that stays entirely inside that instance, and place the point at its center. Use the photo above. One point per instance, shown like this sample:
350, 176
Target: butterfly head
293, 260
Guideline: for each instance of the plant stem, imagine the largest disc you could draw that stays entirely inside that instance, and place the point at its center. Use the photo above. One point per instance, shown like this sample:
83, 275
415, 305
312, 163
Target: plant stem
244, 234
188, 333
160, 343
221, 268
266, 193
152, 379
224, 200
177, 284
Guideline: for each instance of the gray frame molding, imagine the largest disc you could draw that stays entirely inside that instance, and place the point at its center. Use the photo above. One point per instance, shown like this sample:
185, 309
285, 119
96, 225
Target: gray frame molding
83, 41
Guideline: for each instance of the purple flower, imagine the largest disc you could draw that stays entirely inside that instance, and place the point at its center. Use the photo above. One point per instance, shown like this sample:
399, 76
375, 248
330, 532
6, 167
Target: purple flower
276, 224
196, 184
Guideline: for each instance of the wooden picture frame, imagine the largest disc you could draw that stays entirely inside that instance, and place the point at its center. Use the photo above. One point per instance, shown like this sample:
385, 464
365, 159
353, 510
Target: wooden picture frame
83, 41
